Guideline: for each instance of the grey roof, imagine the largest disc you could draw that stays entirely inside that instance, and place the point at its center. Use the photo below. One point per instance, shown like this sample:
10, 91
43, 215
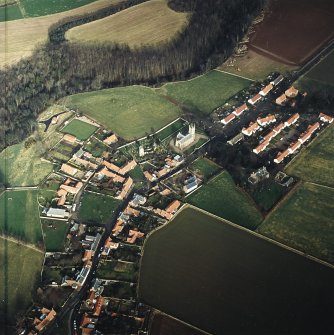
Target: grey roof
277, 80
236, 139
83, 275
96, 242
191, 185
59, 212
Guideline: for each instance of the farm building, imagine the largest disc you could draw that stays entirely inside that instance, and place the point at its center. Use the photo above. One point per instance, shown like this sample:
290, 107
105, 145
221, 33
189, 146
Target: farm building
190, 184
277, 81
57, 213
236, 139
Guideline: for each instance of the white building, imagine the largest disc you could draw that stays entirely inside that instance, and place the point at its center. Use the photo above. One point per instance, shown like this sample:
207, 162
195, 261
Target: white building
183, 141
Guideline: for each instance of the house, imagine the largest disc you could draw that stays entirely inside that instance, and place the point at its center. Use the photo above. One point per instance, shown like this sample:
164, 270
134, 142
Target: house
279, 128
270, 136
266, 90
190, 184
70, 138
137, 200
281, 156
281, 100
293, 119
236, 139
126, 188
266, 120
294, 147
149, 176
131, 211
57, 213
325, 118
238, 111
255, 99
261, 147
120, 223
259, 175
133, 235
228, 119
115, 177
68, 169
163, 213
173, 207
110, 139
251, 129
82, 276
182, 141
162, 172
291, 92
85, 163
46, 317
307, 135
278, 80
127, 167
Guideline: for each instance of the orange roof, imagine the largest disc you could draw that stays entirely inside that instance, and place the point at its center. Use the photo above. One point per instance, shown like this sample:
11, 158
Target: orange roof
255, 99
326, 118
292, 119
128, 167
71, 189
238, 111
279, 128
266, 120
261, 146
46, 321
118, 227
173, 207
69, 138
163, 213
280, 157
266, 89
126, 188
149, 176
294, 146
133, 235
312, 128
116, 178
61, 192
61, 200
166, 191
68, 169
252, 128
228, 118
162, 172
291, 92
98, 306
87, 255
131, 211
85, 163
269, 136
281, 99
111, 139
111, 166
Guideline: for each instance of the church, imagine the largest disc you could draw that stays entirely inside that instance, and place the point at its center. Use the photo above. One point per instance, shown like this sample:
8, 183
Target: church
182, 141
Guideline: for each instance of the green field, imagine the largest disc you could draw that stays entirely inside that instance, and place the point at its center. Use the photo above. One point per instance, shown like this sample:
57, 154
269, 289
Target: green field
115, 270
170, 130
204, 93
81, 130
221, 197
32, 8
131, 112
97, 208
316, 162
224, 280
20, 267
95, 147
23, 167
305, 221
20, 216
205, 168
54, 236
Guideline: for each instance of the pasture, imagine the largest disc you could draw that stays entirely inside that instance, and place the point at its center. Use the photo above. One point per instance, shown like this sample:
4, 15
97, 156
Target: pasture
220, 196
149, 23
316, 162
224, 280
19, 216
54, 232
131, 112
20, 267
97, 208
204, 93
21, 37
292, 31
79, 129
304, 221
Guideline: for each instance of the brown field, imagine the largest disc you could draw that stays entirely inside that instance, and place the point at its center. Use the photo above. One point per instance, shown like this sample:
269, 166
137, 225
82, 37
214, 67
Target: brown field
21, 37
294, 30
149, 23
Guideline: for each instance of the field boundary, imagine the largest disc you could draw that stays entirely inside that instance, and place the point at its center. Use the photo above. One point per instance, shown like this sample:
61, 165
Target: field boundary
14, 240
235, 75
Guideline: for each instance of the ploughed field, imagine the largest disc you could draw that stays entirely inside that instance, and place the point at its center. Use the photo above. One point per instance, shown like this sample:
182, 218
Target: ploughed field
293, 30
149, 23
224, 280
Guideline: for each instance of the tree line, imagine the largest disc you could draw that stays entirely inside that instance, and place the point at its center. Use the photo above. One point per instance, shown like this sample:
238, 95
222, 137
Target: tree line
60, 68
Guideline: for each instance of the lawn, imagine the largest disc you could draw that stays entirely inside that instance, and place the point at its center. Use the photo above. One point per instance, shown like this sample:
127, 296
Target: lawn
97, 208
131, 112
204, 93
20, 268
224, 280
20, 216
305, 221
20, 166
205, 168
32, 8
54, 232
95, 147
316, 162
79, 129
115, 270
220, 196
170, 130
149, 23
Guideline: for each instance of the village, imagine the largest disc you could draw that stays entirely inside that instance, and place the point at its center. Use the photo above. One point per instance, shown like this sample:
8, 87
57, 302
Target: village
112, 194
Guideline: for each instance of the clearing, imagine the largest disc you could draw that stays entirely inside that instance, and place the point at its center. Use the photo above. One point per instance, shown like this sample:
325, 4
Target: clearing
316, 162
131, 112
19, 216
197, 260
220, 196
304, 221
79, 129
20, 268
149, 23
204, 93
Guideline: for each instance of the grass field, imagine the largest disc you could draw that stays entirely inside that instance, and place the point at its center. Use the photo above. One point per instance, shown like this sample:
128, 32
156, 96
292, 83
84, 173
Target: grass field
204, 93
95, 147
305, 221
97, 208
207, 273
170, 130
221, 197
115, 270
204, 167
81, 130
130, 112
20, 267
316, 162
23, 36
54, 236
149, 23
19, 216
31, 8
